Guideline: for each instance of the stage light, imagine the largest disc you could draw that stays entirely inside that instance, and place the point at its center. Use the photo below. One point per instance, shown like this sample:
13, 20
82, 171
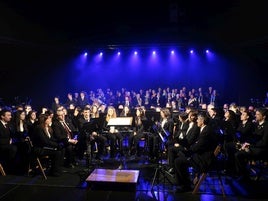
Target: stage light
191, 51
154, 52
118, 53
207, 51
101, 53
172, 52
135, 52
85, 54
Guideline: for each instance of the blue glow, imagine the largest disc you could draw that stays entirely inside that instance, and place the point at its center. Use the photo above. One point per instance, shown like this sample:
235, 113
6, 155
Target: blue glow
154, 52
207, 51
134, 68
85, 54
191, 51
101, 53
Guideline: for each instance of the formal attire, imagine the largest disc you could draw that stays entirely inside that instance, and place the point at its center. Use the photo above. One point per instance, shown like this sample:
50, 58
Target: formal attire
63, 133
200, 157
7, 151
45, 143
258, 150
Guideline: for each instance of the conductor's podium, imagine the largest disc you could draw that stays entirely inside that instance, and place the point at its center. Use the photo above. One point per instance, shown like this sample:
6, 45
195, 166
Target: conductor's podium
114, 180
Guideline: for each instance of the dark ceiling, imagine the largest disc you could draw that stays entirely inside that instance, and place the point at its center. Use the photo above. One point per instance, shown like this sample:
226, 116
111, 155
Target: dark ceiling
78, 23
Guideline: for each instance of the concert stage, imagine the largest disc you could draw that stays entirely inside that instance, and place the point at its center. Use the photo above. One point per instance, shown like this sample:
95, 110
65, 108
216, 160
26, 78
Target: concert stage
108, 179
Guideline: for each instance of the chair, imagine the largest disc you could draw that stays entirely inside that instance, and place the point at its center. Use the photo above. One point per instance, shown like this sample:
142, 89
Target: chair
145, 141
204, 174
34, 157
2, 170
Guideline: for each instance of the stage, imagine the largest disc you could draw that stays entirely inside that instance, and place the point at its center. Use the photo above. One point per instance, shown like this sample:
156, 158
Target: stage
74, 185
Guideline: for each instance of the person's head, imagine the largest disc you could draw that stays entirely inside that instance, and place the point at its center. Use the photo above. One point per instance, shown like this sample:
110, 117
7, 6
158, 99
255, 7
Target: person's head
94, 109
59, 111
139, 112
229, 114
86, 113
233, 106
165, 113
183, 117
202, 119
45, 120
70, 96
20, 115
5, 115
19, 107
192, 116
261, 114
28, 108
126, 109
245, 115
111, 112
82, 94
32, 115
57, 99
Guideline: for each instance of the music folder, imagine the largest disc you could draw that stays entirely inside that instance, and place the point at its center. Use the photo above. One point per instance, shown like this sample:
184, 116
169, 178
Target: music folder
120, 121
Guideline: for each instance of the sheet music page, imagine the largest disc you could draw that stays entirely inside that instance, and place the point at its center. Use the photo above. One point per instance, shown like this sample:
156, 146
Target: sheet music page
120, 121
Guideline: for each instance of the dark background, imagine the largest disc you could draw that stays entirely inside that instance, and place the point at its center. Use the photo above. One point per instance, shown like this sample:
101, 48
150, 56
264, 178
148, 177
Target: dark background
40, 42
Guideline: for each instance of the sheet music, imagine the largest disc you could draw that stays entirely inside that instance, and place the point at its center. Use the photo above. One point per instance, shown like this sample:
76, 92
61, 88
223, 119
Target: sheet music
120, 121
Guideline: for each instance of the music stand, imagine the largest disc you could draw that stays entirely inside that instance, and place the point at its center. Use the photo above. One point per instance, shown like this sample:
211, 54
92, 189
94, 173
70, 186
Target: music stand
160, 169
120, 121
88, 128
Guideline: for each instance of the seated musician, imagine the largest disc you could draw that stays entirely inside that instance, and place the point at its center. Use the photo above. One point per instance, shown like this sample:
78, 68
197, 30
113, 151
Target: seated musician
163, 130
20, 132
89, 133
244, 133
63, 133
45, 144
8, 150
188, 133
138, 133
112, 133
255, 150
199, 156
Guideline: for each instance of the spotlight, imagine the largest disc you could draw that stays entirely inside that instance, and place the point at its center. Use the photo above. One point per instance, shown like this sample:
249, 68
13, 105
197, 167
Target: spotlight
172, 52
101, 53
135, 52
191, 51
154, 52
118, 53
207, 51
85, 54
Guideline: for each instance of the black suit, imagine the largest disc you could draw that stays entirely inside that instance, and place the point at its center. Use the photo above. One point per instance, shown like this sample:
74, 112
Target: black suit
7, 151
258, 150
62, 135
86, 127
201, 156
45, 145
190, 137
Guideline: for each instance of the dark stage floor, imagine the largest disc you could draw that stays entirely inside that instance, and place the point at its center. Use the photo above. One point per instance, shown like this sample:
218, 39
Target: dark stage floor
72, 186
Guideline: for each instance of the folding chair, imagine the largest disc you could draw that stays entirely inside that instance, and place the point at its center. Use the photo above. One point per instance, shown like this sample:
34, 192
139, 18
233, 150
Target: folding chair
204, 174
2, 170
39, 164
